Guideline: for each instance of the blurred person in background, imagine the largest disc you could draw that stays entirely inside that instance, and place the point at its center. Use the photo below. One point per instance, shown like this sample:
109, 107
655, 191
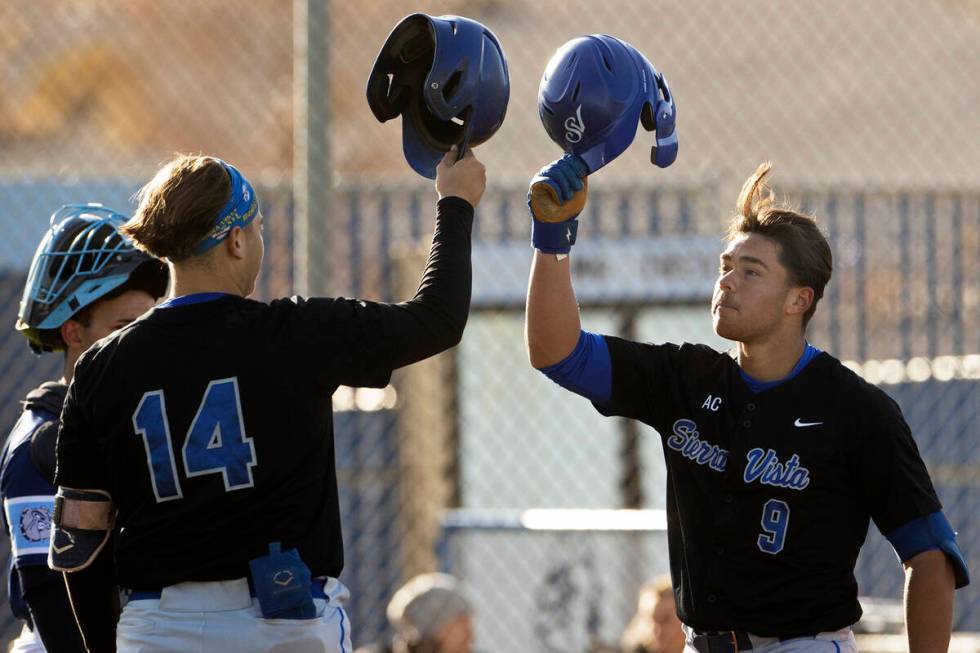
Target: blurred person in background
654, 628
214, 458
86, 280
430, 614
778, 456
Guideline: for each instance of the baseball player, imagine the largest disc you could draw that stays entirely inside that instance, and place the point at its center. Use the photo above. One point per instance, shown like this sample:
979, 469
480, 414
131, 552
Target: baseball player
203, 430
777, 455
85, 281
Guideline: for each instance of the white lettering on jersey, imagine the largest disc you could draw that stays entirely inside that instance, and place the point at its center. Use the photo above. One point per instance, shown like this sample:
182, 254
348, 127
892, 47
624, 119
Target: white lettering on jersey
763, 465
712, 403
688, 442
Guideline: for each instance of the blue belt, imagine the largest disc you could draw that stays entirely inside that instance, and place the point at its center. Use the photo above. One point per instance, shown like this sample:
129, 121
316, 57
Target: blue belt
316, 591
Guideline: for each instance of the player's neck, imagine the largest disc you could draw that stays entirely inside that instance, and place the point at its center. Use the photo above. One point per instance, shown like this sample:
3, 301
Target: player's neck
772, 359
191, 280
71, 357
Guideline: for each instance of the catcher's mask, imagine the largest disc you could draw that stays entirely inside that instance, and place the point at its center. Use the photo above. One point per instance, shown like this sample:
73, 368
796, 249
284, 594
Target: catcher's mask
595, 90
447, 77
81, 258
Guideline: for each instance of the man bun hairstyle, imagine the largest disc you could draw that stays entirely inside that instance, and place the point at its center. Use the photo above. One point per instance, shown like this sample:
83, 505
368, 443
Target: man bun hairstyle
803, 249
179, 206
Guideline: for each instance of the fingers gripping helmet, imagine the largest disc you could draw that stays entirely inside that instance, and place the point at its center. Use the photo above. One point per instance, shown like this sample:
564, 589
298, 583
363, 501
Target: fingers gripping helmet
593, 93
81, 258
447, 77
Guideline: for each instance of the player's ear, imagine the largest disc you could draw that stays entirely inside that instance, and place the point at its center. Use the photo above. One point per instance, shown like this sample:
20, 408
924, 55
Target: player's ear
71, 333
236, 242
799, 300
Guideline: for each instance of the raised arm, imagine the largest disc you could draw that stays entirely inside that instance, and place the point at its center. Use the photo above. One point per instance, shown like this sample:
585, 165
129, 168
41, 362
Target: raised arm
375, 338
433, 320
552, 325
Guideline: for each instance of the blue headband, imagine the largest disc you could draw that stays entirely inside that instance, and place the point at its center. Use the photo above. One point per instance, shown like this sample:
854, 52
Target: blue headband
241, 209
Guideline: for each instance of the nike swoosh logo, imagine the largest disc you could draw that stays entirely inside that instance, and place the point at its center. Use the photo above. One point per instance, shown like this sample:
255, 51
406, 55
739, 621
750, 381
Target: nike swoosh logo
799, 424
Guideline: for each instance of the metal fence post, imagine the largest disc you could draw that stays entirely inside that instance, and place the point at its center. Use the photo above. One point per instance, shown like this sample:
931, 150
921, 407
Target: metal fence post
311, 146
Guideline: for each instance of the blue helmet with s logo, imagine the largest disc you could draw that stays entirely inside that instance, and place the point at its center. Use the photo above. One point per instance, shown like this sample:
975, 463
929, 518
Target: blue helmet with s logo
594, 92
81, 258
447, 77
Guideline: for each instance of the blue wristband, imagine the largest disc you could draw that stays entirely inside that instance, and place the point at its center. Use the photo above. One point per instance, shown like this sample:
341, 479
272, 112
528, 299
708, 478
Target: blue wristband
554, 237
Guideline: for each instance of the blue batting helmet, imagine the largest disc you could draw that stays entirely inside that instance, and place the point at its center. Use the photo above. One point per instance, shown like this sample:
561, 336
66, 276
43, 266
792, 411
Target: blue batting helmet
80, 260
593, 93
447, 77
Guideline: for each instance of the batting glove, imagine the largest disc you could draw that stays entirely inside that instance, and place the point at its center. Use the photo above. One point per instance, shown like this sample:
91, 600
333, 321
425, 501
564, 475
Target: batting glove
556, 197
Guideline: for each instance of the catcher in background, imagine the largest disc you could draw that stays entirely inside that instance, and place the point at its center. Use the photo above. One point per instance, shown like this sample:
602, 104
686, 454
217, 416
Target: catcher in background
777, 455
86, 280
654, 628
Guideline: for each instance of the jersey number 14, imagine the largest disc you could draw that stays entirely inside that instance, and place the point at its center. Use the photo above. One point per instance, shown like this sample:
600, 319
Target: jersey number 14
216, 441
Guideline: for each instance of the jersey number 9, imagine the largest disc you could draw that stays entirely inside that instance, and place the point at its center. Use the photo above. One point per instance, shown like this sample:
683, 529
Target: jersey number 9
775, 521
216, 441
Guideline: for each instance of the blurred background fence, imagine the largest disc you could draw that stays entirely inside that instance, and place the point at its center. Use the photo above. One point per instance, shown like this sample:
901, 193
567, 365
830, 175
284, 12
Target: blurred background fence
472, 462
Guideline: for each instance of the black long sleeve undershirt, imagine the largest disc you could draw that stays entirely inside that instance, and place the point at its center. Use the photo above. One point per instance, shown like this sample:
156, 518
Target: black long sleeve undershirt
433, 320
95, 602
46, 597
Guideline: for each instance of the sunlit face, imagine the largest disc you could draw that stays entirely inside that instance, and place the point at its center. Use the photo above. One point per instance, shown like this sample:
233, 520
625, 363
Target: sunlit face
107, 315
255, 251
457, 635
752, 290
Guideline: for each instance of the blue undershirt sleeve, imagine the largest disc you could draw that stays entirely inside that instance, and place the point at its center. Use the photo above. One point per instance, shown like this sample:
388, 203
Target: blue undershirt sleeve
586, 371
930, 532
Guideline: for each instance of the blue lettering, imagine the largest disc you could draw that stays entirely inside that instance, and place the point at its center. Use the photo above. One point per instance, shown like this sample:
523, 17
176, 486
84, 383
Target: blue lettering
682, 429
686, 440
720, 461
764, 466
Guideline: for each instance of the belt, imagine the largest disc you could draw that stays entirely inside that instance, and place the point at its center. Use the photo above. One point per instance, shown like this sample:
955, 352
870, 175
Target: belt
728, 641
316, 591
731, 641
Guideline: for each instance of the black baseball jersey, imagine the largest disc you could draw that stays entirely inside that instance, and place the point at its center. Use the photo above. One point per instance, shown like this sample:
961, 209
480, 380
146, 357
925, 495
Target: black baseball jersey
769, 495
210, 424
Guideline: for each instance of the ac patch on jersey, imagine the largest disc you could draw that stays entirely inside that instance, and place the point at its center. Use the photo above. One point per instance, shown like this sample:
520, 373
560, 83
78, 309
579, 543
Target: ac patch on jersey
30, 524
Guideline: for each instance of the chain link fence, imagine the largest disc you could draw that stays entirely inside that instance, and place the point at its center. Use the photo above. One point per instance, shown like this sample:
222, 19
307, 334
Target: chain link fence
472, 462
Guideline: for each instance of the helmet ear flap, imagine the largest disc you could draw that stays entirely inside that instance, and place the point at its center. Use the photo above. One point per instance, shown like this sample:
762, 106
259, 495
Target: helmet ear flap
396, 73
665, 115
387, 96
665, 151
